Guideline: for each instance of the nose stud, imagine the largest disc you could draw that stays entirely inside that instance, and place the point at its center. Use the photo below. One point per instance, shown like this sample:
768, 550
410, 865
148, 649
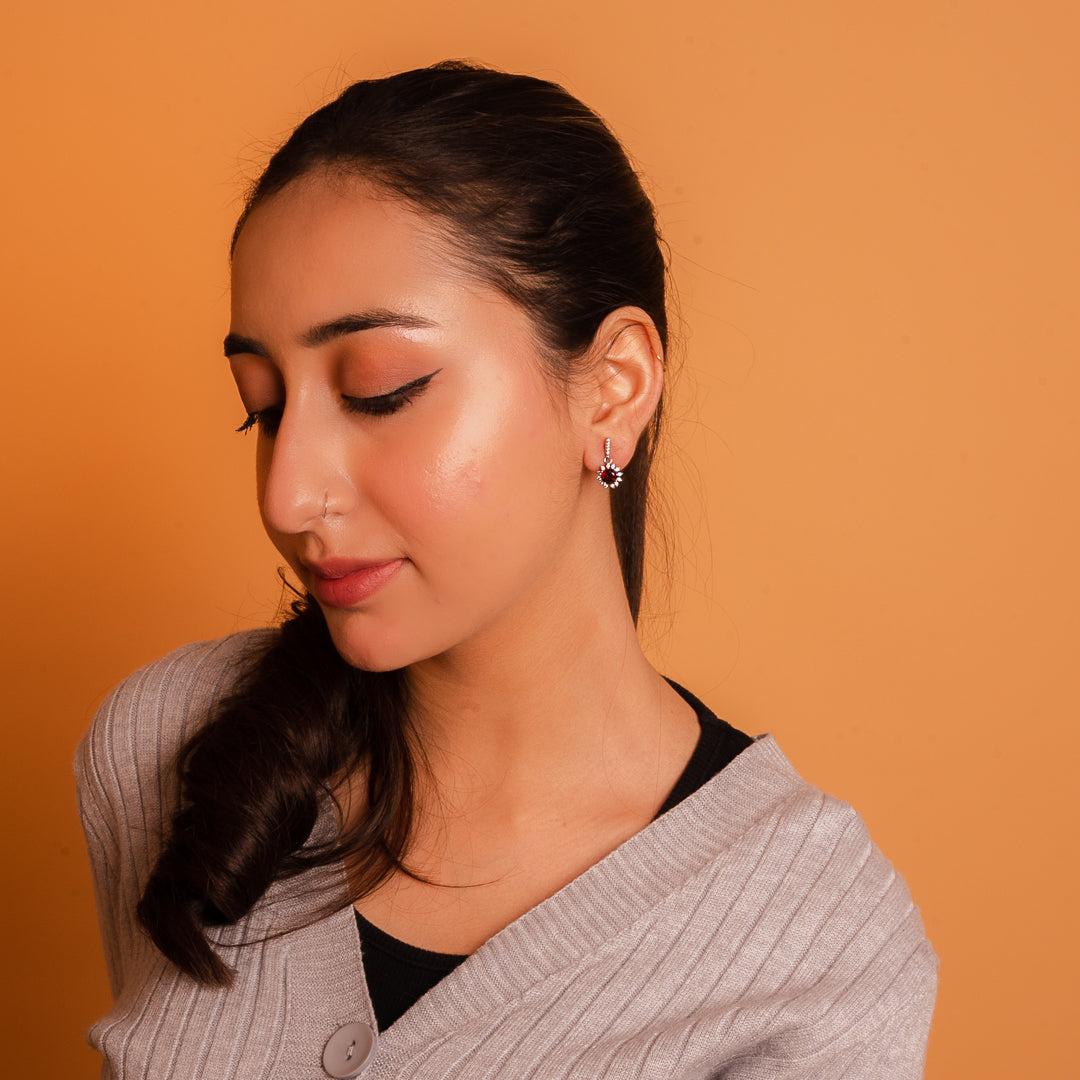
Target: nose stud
326, 505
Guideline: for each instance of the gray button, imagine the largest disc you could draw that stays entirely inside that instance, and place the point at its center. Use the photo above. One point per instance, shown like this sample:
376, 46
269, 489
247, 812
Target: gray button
349, 1051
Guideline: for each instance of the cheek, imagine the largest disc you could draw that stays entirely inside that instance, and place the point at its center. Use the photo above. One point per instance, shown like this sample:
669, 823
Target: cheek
457, 480
262, 470
484, 503
443, 504
468, 465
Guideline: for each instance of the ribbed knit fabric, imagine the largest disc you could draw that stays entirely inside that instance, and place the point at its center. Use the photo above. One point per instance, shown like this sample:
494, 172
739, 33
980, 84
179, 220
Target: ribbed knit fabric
753, 931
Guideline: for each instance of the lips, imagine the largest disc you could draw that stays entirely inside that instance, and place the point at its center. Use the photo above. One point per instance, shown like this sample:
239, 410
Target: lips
344, 583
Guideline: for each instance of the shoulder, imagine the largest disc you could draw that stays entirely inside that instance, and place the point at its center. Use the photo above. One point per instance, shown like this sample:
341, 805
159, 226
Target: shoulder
761, 811
788, 889
144, 721
830, 894
759, 794
127, 781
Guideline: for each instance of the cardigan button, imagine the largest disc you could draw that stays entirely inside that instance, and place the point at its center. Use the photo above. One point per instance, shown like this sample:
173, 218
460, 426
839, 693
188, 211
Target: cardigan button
349, 1051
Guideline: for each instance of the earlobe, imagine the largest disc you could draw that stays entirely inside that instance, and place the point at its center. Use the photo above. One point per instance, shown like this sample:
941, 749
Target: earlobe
629, 379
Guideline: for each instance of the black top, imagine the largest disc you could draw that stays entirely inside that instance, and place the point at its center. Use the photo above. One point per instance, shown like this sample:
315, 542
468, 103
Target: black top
398, 975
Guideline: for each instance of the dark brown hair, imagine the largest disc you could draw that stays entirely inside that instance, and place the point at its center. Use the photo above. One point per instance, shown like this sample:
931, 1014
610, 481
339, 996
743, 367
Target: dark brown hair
538, 199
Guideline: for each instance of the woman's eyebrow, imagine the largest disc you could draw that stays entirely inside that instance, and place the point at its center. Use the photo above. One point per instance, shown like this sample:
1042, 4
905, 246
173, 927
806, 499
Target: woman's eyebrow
377, 319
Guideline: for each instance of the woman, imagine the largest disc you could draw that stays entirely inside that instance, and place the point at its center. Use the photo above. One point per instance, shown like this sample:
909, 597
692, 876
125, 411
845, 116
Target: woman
447, 821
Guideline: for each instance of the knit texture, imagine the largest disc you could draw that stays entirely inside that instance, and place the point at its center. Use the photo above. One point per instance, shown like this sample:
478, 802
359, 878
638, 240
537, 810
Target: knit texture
753, 931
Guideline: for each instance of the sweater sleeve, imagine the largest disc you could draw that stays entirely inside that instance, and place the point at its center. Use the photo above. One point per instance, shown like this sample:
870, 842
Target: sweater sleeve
891, 1047
861, 1007
125, 772
885, 1043
96, 796
897, 1047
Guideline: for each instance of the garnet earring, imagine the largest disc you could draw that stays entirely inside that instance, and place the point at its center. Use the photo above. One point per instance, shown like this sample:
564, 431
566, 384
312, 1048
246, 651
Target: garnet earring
609, 474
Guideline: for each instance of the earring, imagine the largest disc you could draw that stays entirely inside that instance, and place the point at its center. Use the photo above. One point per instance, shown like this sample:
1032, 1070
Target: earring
609, 474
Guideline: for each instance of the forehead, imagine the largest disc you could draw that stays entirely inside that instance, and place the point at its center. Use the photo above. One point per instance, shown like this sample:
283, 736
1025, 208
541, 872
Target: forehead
321, 239
327, 246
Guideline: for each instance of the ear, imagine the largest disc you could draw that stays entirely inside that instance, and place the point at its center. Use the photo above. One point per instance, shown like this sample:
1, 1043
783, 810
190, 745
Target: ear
624, 390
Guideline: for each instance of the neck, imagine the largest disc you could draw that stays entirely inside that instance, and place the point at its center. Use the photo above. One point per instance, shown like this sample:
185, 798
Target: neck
556, 699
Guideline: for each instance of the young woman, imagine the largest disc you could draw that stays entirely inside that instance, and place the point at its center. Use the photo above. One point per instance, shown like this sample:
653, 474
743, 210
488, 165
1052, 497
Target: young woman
447, 821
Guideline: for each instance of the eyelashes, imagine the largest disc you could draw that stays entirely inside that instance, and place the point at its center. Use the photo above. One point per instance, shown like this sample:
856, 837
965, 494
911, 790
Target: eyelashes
269, 419
388, 404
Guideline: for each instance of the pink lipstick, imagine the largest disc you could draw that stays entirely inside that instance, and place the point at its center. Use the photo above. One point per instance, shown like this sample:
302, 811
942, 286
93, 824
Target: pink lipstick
344, 583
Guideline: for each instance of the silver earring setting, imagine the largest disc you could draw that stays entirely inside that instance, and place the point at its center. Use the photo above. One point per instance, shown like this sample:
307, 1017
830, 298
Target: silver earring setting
609, 474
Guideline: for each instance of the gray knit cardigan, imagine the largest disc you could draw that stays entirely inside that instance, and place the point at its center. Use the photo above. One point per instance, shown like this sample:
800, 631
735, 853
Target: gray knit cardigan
753, 931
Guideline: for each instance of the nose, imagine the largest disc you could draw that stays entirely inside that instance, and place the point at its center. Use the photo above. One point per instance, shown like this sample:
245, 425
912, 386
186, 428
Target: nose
303, 475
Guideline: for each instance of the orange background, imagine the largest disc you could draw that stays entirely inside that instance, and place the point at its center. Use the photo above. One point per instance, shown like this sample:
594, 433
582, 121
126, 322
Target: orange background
873, 216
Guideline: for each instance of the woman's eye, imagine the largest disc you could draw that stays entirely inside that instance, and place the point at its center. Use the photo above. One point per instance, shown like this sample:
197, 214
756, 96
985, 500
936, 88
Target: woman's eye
269, 420
266, 420
386, 404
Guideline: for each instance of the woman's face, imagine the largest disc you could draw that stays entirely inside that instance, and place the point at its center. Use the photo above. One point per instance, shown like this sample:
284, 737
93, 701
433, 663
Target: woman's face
416, 467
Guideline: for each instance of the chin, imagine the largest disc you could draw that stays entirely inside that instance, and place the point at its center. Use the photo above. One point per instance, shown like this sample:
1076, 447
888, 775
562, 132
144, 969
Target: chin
369, 655
367, 646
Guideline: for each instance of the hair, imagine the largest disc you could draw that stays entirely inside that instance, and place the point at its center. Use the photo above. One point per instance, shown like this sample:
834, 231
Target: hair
537, 198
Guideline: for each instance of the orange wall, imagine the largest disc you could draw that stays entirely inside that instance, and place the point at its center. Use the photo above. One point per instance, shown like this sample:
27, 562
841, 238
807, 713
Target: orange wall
874, 224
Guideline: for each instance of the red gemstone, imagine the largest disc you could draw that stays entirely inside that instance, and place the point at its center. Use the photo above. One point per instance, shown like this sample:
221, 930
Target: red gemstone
608, 475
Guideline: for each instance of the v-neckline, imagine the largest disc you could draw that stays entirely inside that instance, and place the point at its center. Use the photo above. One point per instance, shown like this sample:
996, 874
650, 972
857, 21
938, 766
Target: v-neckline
596, 905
